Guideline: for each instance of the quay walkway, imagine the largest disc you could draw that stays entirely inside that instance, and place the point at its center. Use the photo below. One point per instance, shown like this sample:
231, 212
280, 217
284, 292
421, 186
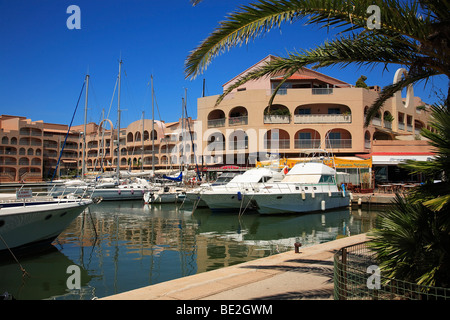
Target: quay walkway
306, 275
372, 198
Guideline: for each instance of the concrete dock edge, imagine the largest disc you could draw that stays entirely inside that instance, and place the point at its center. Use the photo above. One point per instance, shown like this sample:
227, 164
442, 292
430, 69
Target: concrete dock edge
285, 276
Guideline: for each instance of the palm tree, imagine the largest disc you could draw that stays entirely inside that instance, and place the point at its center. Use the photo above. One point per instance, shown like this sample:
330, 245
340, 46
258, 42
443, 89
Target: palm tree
413, 34
435, 194
412, 244
412, 241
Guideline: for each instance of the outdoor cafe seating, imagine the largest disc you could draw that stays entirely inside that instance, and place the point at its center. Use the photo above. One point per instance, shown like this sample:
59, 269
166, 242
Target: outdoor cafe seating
396, 187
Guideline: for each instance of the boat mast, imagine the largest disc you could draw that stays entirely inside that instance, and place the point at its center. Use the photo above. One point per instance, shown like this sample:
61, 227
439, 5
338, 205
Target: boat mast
182, 136
83, 167
118, 125
153, 128
142, 137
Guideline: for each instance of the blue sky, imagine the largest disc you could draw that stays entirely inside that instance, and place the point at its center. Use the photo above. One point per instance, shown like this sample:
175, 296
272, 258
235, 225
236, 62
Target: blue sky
43, 64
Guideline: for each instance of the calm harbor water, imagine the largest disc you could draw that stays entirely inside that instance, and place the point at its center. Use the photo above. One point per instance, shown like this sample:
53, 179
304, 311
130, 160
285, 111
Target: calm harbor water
125, 245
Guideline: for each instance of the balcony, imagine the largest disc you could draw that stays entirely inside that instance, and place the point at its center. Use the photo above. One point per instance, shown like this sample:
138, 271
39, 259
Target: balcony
307, 143
387, 124
322, 91
376, 121
315, 91
216, 123
277, 119
339, 143
241, 144
322, 118
277, 144
409, 128
236, 121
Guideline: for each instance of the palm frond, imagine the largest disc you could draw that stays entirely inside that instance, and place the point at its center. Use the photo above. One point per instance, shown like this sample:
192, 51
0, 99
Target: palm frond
248, 22
195, 2
388, 91
358, 49
438, 203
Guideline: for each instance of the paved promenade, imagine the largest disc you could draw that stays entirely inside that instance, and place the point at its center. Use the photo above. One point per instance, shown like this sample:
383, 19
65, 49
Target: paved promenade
285, 276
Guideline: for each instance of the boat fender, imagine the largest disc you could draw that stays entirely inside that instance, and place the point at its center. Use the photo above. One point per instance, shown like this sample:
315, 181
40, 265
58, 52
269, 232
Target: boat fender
239, 195
343, 190
118, 191
132, 191
329, 193
313, 195
322, 205
303, 195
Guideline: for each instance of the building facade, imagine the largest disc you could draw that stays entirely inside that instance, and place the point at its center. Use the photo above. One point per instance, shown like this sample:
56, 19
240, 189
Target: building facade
30, 150
34, 150
310, 111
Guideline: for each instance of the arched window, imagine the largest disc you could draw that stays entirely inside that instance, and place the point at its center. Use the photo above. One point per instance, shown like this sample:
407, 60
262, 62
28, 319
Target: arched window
129, 137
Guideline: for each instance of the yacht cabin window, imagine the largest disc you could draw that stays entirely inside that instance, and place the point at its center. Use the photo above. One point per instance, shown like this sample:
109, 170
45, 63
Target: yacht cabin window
326, 179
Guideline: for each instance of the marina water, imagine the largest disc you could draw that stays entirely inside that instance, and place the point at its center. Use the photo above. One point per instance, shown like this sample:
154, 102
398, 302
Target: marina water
119, 246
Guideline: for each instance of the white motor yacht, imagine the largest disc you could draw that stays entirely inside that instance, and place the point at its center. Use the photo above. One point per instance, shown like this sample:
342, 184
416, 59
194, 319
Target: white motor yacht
233, 195
307, 187
194, 195
28, 220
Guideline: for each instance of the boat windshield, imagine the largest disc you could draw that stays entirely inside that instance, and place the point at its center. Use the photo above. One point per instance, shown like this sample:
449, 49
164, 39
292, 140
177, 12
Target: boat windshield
326, 179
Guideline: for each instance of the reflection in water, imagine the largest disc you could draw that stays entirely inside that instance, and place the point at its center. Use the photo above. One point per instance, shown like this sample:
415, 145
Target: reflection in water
127, 245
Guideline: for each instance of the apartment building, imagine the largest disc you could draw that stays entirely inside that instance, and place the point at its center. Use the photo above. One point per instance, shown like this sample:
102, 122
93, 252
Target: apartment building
310, 111
30, 150
34, 150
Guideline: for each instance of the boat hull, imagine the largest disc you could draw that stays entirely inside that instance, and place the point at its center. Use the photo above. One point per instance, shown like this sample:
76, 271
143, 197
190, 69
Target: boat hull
196, 198
278, 203
113, 194
231, 201
37, 224
167, 197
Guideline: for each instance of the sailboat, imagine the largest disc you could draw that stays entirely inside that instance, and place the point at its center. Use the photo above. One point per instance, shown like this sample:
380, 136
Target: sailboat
123, 186
171, 193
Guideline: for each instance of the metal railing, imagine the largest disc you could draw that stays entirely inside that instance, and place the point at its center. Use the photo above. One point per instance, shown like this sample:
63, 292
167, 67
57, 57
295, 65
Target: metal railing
322, 118
354, 279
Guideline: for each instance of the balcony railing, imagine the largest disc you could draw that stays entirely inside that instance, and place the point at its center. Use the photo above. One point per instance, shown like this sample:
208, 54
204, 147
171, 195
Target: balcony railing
322, 118
277, 144
376, 121
235, 121
322, 91
238, 145
277, 119
215, 146
215, 123
338, 143
306, 143
283, 91
387, 124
